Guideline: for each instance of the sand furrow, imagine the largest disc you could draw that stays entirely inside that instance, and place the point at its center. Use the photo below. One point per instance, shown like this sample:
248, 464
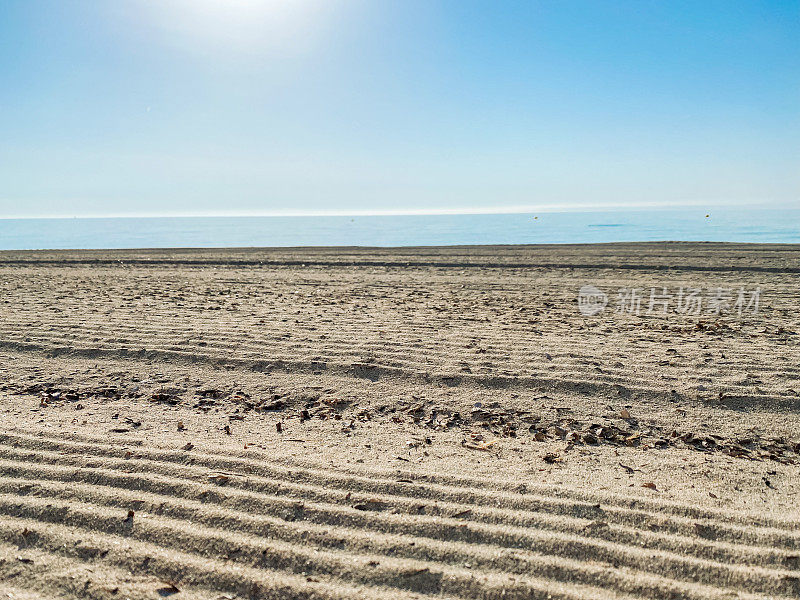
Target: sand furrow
325, 507
399, 354
173, 564
355, 568
259, 360
29, 573
364, 575
252, 503
554, 543
480, 557
263, 472
333, 346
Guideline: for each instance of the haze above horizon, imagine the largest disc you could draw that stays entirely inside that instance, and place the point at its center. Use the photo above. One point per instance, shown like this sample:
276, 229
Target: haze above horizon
353, 107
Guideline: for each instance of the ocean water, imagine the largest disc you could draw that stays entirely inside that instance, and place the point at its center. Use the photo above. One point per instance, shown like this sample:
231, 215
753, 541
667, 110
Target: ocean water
721, 224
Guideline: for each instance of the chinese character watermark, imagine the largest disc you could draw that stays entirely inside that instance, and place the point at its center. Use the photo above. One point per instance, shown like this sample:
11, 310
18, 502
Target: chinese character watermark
661, 300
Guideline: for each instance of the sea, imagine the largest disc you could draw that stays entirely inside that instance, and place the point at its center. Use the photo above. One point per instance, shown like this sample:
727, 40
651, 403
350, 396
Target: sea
736, 224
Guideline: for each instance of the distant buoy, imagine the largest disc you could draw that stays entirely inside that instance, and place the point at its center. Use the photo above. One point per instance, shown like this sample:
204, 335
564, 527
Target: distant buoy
707, 216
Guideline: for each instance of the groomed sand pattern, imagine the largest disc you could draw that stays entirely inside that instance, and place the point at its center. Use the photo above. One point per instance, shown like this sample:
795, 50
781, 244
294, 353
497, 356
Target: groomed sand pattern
367, 423
265, 528
464, 316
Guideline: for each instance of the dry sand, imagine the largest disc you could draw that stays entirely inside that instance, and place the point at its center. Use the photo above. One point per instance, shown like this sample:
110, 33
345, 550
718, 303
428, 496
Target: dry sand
412, 423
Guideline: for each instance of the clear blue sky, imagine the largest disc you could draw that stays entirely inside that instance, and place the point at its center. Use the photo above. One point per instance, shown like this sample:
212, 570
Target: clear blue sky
248, 106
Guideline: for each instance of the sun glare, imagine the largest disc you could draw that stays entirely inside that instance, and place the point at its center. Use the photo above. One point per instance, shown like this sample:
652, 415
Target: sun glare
247, 24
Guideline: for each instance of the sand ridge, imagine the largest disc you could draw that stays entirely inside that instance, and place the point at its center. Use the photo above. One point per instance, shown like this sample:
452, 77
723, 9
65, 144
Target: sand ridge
282, 517
396, 423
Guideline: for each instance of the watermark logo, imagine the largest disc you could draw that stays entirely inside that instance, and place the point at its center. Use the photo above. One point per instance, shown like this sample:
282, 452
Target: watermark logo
663, 300
591, 300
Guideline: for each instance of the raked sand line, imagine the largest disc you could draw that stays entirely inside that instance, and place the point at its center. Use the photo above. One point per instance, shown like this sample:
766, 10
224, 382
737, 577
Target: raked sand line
480, 557
31, 573
181, 568
257, 356
259, 467
368, 536
421, 372
283, 496
386, 577
43, 517
327, 509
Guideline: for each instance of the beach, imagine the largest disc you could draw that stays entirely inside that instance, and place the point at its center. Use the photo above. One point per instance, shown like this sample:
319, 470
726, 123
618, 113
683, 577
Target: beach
554, 421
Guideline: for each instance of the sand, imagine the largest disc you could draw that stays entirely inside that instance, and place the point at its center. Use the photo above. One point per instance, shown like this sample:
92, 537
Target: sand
398, 423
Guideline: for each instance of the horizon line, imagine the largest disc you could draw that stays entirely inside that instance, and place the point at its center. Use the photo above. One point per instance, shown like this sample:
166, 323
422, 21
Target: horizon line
528, 209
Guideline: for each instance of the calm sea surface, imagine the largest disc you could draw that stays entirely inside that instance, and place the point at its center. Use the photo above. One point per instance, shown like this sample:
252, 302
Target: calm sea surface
722, 224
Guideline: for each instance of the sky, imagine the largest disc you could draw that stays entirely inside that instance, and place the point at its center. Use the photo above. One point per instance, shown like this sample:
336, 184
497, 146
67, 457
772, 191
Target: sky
207, 107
